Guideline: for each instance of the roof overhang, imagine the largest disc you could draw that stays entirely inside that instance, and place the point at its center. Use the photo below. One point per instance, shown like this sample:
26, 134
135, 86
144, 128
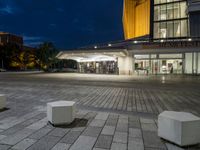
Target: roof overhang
93, 55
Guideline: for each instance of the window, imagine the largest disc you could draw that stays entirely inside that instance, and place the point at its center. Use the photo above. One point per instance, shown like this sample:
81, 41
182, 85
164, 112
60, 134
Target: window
176, 11
156, 1
184, 28
170, 29
170, 19
183, 7
156, 13
170, 11
163, 30
163, 14
177, 28
156, 30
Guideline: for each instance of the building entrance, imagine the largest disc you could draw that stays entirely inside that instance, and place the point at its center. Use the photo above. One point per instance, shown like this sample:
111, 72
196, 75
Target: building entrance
103, 67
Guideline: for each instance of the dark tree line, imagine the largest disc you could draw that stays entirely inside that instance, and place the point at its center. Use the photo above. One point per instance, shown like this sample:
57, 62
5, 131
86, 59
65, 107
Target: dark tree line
13, 57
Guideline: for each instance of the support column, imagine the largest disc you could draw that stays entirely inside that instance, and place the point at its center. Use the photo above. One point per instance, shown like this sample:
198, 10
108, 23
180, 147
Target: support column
125, 65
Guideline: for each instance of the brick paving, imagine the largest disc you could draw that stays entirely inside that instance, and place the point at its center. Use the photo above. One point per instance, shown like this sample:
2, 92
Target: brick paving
114, 112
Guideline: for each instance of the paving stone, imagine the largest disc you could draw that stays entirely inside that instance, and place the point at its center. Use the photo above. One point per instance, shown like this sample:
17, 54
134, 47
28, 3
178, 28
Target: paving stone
152, 140
4, 147
134, 119
98, 149
111, 122
173, 147
118, 146
102, 116
2, 137
149, 127
92, 131
71, 137
97, 123
84, 143
12, 130
108, 130
135, 144
24, 144
123, 120
61, 146
40, 133
90, 115
123, 117
120, 137
33, 120
15, 138
149, 148
122, 127
82, 112
145, 120
80, 129
59, 132
135, 133
104, 141
113, 116
38, 125
134, 124
45, 143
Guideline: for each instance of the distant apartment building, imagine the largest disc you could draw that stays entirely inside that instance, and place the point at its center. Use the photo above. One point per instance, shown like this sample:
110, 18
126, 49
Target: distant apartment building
8, 38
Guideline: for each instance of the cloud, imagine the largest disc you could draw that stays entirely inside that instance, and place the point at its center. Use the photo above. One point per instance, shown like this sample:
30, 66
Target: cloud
6, 10
9, 7
33, 44
33, 40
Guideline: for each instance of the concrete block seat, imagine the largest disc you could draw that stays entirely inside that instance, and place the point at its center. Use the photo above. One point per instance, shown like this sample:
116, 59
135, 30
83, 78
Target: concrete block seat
61, 112
180, 128
2, 101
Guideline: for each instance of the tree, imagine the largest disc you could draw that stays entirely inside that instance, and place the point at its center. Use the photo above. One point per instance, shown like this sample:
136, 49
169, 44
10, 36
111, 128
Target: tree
24, 60
46, 55
8, 52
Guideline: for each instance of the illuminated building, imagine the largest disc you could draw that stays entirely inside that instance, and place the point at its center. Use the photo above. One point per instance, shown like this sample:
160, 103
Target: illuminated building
161, 37
7, 38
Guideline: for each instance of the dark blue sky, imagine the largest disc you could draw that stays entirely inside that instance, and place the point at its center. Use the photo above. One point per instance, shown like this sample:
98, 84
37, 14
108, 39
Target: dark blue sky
67, 23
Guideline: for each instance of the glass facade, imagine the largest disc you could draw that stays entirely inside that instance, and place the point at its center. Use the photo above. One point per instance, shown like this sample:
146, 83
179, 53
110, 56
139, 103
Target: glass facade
159, 64
103, 67
170, 19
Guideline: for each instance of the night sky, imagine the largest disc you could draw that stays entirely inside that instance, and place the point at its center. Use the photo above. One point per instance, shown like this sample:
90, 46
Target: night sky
67, 23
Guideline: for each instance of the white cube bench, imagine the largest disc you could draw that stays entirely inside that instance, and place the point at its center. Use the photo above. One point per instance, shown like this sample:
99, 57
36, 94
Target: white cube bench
180, 128
61, 112
2, 101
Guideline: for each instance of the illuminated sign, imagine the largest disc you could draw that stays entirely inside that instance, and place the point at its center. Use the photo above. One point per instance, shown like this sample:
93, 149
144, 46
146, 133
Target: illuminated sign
180, 44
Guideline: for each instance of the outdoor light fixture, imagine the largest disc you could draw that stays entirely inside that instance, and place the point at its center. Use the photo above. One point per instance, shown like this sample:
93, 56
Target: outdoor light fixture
189, 39
109, 45
95, 47
161, 40
135, 42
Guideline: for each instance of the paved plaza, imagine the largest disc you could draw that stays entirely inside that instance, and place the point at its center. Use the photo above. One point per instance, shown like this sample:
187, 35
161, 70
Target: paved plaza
113, 112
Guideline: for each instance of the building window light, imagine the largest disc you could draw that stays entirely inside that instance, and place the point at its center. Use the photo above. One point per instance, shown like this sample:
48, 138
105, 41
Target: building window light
135, 42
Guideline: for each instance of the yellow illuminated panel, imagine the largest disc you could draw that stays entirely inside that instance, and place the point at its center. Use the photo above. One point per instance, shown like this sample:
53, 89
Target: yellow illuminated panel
136, 18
